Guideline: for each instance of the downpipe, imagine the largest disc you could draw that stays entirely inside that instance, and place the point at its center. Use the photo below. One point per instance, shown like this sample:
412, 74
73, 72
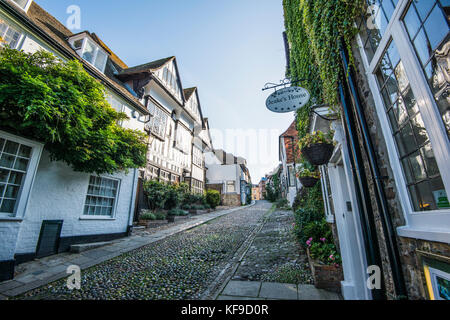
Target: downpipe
380, 197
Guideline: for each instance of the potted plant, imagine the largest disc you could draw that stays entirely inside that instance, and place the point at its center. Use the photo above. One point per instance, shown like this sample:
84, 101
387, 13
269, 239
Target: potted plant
325, 263
308, 177
317, 147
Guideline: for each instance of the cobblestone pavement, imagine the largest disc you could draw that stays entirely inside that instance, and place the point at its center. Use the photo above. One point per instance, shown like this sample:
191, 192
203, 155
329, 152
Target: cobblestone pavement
181, 266
274, 255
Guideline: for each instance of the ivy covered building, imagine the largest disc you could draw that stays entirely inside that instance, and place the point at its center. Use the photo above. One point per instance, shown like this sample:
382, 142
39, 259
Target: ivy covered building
382, 68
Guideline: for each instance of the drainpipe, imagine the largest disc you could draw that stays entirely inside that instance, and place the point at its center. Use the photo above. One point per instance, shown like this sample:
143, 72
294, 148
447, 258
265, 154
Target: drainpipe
380, 197
362, 191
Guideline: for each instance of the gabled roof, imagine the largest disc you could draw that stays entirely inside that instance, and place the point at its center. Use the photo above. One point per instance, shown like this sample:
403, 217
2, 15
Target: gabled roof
147, 67
56, 34
188, 92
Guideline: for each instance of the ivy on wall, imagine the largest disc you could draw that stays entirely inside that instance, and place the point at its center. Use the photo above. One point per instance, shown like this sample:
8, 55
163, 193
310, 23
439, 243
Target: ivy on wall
314, 28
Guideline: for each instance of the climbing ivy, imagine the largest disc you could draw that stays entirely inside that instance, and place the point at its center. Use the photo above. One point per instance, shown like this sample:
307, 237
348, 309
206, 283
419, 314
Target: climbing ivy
313, 29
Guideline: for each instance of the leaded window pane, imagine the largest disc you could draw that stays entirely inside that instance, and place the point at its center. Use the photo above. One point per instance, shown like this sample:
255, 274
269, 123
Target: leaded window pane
428, 30
413, 144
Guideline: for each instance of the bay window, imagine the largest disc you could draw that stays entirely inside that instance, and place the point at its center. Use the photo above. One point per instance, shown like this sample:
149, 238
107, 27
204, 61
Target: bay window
407, 67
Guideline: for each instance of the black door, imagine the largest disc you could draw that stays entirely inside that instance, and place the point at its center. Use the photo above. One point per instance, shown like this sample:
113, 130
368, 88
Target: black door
49, 238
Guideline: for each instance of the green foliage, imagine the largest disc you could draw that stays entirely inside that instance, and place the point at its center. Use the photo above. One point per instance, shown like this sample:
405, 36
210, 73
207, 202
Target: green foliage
273, 189
317, 230
282, 204
315, 138
156, 193
177, 213
213, 198
174, 196
61, 105
147, 216
325, 252
314, 28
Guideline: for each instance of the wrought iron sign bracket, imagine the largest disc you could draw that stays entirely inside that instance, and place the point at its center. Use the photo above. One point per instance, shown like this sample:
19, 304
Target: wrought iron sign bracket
283, 83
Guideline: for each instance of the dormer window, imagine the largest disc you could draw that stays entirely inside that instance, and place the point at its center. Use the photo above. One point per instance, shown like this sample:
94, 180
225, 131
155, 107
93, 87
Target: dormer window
23, 4
90, 52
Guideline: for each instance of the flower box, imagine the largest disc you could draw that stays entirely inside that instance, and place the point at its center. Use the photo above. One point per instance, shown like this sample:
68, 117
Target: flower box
327, 277
319, 153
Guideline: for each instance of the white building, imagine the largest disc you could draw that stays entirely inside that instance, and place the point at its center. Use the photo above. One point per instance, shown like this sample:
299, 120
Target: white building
229, 175
45, 206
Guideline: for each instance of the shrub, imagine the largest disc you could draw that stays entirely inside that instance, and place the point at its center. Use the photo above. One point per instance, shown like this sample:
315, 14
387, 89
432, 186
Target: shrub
160, 215
304, 216
213, 198
317, 230
60, 104
147, 216
156, 193
325, 252
177, 212
283, 204
173, 197
315, 138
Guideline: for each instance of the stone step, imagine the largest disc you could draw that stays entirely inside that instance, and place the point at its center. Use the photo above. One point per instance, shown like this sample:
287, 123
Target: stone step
77, 248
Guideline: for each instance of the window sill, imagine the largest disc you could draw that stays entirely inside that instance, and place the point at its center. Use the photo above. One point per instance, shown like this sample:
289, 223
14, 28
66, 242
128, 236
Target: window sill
433, 235
102, 218
7, 218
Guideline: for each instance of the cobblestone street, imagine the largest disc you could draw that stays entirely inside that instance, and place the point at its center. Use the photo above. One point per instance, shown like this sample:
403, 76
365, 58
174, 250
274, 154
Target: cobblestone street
181, 266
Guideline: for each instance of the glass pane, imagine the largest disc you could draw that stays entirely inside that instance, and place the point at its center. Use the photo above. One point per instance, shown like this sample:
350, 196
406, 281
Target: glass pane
11, 192
430, 161
419, 129
7, 161
424, 7
436, 27
15, 178
401, 77
21, 164
417, 167
21, 3
422, 47
89, 51
11, 147
4, 175
410, 102
100, 60
412, 22
8, 206
25, 151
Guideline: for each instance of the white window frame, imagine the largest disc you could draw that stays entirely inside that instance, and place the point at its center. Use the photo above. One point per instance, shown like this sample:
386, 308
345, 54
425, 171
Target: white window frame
116, 200
85, 38
27, 6
15, 28
433, 225
24, 193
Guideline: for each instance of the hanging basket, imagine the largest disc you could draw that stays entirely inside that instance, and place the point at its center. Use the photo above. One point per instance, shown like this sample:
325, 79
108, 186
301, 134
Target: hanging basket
318, 154
308, 182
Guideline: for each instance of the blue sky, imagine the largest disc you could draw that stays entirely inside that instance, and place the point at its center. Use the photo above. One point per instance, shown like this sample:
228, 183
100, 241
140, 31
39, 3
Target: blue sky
228, 49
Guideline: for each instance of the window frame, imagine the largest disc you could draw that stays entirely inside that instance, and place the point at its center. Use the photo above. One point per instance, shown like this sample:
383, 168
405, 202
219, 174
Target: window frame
26, 187
27, 6
116, 200
16, 29
85, 38
426, 225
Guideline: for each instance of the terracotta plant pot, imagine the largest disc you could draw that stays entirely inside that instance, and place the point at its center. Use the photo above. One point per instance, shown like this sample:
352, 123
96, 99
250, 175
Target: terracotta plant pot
326, 276
318, 154
308, 182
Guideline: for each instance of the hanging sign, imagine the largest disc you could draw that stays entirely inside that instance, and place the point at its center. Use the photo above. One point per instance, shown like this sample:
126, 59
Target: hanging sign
287, 99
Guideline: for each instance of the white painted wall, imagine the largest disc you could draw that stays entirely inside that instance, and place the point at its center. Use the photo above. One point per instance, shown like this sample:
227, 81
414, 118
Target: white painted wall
59, 193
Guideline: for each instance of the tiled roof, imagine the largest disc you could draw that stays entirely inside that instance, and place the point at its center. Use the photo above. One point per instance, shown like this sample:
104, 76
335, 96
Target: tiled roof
56, 31
147, 67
